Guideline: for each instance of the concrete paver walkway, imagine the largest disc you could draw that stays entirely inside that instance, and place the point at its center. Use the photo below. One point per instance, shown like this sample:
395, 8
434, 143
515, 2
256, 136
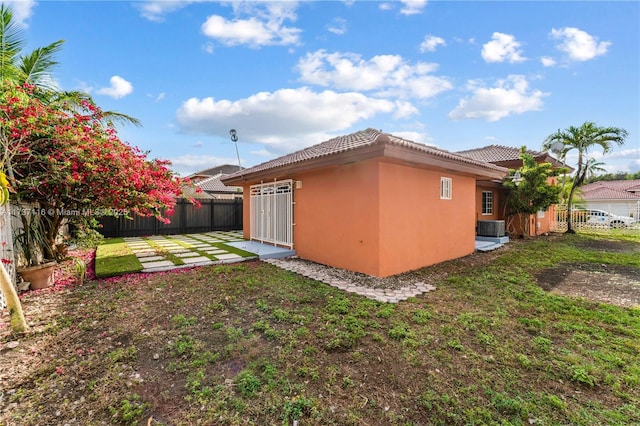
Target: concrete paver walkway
166, 252
385, 295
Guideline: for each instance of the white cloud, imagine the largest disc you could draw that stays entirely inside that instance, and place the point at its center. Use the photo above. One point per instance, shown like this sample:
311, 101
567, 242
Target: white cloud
385, 6
385, 75
412, 7
502, 47
188, 163
337, 26
282, 120
430, 43
119, 88
419, 137
510, 96
263, 27
21, 10
625, 153
208, 48
579, 45
262, 153
547, 61
155, 10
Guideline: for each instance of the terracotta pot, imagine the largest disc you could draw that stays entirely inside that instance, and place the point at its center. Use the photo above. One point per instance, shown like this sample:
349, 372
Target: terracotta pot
40, 276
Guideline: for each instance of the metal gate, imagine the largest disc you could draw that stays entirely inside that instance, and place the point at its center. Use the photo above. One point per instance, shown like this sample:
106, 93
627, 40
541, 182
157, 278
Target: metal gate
272, 213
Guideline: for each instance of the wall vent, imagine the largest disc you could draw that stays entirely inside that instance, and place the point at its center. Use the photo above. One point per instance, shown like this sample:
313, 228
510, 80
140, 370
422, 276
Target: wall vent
491, 228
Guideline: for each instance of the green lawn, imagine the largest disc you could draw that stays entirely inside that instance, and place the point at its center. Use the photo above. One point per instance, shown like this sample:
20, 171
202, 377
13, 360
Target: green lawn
114, 257
249, 343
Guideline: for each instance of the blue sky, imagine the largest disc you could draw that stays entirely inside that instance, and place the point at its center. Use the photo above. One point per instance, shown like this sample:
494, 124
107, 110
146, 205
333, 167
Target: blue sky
287, 75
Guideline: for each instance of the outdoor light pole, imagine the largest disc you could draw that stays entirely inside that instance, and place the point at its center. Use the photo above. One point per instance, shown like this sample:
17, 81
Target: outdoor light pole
234, 139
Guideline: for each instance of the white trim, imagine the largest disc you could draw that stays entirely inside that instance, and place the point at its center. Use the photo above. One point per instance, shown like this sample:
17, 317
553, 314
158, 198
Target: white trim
271, 212
489, 209
446, 188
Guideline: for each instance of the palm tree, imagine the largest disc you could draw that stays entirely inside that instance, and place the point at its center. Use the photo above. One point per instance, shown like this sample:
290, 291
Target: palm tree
583, 139
36, 68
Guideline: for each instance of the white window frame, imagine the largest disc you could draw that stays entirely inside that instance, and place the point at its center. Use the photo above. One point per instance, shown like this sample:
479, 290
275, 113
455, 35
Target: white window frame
540, 214
446, 188
487, 203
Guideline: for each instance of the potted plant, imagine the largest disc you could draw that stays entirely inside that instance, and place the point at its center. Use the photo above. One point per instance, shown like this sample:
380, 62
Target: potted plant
30, 240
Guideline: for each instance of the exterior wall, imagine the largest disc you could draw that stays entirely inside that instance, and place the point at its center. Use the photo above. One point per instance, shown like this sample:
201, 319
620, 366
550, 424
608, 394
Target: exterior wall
336, 216
379, 217
498, 203
417, 228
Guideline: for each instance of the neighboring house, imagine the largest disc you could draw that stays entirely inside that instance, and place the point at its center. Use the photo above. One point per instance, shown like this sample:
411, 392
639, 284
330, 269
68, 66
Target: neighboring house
368, 202
491, 197
619, 197
213, 171
209, 181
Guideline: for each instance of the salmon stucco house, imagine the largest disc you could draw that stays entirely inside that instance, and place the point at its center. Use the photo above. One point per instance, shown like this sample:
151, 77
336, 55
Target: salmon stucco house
491, 197
368, 202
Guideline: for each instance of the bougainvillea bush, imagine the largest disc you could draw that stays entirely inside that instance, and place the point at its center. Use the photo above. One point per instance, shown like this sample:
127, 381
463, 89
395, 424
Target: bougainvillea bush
69, 162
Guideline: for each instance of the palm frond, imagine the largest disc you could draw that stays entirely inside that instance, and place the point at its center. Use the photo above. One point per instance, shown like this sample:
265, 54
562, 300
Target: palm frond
11, 43
35, 67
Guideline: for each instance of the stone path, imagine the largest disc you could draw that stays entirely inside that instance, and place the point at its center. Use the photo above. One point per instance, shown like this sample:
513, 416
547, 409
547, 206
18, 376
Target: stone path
166, 252
318, 273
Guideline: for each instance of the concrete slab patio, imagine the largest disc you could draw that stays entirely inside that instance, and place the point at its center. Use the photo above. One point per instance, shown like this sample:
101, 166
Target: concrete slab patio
264, 251
166, 252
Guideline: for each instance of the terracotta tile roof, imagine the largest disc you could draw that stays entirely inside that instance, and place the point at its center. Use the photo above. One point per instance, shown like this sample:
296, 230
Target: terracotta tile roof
612, 190
215, 185
213, 171
353, 141
500, 154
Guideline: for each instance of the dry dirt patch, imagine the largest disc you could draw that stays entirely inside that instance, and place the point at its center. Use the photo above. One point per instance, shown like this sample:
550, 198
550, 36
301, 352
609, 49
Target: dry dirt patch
613, 284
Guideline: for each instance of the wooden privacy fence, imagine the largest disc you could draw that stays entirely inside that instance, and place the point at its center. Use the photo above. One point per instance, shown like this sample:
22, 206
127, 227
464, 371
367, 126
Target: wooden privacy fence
213, 215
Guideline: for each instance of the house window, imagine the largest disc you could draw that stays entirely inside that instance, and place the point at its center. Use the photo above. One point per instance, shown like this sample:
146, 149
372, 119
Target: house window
445, 188
487, 202
540, 214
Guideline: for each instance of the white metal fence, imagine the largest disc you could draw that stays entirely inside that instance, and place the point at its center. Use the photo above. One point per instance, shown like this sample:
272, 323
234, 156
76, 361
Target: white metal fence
6, 246
587, 221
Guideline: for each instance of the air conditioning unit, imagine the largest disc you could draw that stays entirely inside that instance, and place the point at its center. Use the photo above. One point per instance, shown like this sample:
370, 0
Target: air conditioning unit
491, 228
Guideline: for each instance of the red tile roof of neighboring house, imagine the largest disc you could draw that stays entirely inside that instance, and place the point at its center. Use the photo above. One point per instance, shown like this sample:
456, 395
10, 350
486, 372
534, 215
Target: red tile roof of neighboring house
213, 171
214, 185
612, 190
505, 155
355, 141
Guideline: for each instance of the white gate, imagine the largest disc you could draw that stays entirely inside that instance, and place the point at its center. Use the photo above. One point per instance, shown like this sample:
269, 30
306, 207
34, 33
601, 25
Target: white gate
272, 213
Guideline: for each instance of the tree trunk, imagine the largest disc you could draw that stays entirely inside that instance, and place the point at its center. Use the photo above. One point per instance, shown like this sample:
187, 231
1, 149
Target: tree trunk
570, 229
18, 322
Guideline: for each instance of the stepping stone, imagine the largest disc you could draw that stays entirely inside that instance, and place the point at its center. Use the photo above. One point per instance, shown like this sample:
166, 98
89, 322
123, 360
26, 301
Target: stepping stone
143, 253
146, 258
187, 254
219, 251
157, 264
228, 256
198, 259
